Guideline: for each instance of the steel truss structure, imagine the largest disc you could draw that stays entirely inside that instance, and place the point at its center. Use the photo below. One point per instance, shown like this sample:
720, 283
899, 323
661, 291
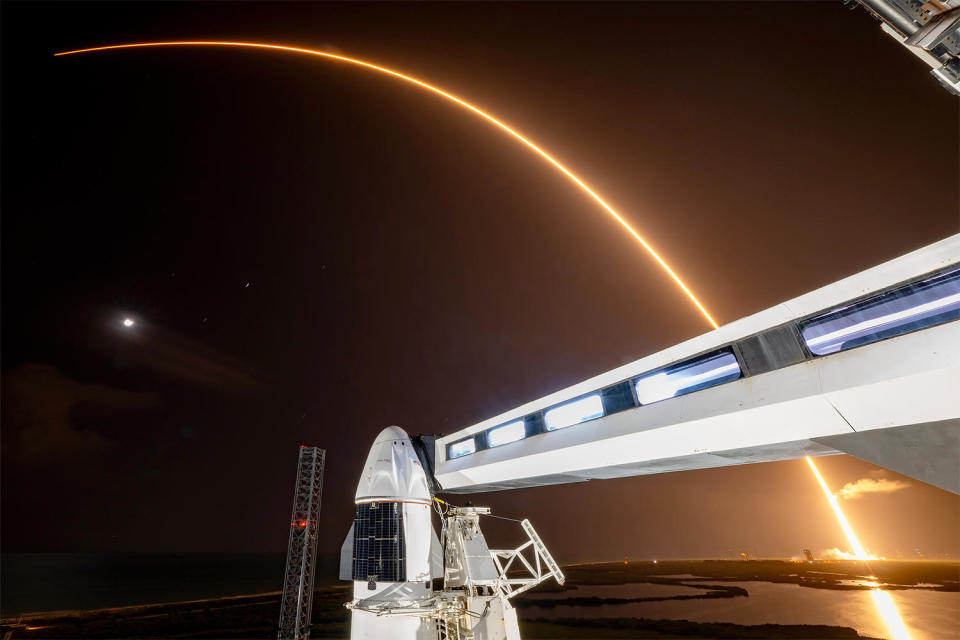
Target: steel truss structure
503, 559
297, 601
474, 602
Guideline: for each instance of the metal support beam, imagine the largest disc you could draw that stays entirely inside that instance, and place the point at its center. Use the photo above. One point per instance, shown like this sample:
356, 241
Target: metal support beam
297, 601
928, 452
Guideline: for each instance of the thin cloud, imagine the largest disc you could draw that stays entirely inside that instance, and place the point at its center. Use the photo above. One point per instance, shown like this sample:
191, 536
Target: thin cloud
40, 405
171, 355
863, 486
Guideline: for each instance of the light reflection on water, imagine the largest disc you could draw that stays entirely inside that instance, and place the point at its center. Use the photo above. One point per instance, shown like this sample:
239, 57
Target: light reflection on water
891, 616
923, 615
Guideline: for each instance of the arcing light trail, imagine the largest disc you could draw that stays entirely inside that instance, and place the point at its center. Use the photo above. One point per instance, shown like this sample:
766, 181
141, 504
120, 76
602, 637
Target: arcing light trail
882, 600
440, 92
859, 553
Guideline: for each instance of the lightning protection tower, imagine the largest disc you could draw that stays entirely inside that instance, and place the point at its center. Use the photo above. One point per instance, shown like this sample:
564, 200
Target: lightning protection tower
297, 602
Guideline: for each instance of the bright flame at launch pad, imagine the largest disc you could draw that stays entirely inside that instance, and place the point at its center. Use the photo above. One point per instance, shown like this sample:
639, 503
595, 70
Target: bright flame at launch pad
859, 553
452, 98
882, 600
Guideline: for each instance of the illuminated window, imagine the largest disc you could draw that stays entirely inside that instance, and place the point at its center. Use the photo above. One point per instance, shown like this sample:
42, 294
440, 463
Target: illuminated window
915, 306
686, 377
462, 448
574, 412
505, 434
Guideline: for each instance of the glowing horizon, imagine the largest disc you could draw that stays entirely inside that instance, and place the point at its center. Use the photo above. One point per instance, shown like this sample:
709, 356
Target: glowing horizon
449, 96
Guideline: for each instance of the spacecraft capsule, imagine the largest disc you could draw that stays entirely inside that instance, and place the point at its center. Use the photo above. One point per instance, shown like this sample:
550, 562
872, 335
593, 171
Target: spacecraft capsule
392, 552
393, 471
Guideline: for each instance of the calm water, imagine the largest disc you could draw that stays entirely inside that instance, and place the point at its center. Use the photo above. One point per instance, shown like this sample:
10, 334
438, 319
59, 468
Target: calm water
926, 615
50, 582
632, 590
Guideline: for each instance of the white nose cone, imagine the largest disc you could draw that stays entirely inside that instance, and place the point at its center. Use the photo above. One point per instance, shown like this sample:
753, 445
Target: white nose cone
393, 471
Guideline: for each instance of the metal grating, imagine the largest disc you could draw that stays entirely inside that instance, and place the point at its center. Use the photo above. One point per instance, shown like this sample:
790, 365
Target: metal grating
297, 601
379, 552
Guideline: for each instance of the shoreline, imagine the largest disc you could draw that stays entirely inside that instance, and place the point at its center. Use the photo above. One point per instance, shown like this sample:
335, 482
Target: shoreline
254, 615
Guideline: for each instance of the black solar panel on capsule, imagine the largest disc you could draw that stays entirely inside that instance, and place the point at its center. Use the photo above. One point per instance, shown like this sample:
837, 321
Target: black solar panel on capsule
378, 545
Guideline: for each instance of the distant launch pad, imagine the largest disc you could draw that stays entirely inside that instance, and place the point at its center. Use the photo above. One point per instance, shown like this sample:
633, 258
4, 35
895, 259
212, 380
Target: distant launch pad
867, 366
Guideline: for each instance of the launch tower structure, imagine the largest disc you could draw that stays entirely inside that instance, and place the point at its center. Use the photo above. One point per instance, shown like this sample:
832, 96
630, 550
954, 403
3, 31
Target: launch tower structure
297, 601
868, 366
928, 29
392, 555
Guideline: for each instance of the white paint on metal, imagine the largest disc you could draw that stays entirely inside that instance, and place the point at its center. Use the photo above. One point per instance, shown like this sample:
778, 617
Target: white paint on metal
899, 381
393, 472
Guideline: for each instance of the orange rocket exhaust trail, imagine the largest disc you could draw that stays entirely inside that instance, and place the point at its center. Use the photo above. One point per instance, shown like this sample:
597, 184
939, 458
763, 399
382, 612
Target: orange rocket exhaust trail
859, 553
882, 600
452, 98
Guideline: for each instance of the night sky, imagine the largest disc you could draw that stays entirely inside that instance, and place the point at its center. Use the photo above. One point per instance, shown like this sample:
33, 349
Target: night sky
313, 252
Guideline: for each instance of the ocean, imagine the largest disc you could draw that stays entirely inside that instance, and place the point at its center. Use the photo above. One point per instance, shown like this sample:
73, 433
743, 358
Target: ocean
34, 582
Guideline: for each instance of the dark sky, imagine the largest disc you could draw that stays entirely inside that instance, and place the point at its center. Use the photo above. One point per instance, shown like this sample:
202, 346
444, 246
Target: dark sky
408, 264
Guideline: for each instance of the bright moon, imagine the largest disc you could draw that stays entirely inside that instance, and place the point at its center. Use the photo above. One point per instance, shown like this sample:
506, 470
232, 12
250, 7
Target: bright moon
128, 322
